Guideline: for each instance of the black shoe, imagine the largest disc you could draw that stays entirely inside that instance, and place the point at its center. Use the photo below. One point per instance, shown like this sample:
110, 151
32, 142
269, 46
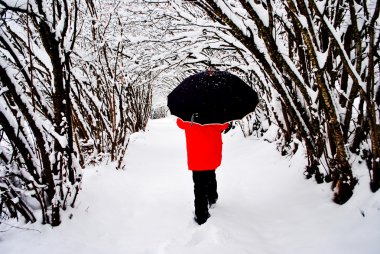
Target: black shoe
212, 203
201, 219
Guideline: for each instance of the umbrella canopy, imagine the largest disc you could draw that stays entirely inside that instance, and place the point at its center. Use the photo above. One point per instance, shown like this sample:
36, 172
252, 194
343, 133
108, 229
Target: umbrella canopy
207, 98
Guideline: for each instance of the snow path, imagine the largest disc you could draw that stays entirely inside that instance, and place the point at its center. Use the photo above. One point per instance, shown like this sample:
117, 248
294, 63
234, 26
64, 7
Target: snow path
265, 206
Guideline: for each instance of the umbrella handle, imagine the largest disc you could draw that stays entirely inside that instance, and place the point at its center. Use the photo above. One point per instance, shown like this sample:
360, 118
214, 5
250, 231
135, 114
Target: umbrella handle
210, 68
192, 118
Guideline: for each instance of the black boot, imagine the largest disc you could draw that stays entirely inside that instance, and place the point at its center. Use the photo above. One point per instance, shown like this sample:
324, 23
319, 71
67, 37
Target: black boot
201, 218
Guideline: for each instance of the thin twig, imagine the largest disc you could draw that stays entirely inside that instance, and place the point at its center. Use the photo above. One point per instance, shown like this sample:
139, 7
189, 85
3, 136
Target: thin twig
23, 228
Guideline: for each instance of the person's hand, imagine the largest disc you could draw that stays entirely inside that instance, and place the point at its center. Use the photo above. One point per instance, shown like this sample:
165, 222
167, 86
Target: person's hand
230, 126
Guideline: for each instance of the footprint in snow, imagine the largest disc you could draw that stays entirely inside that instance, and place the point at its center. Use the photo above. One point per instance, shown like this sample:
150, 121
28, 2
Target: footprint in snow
209, 234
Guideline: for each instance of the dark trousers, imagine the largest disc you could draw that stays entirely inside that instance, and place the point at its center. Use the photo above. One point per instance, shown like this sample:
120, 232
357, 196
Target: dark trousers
205, 191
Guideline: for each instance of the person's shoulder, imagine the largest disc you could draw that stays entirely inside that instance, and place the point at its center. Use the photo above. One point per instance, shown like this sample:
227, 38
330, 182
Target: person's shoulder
179, 123
182, 124
217, 126
221, 126
225, 125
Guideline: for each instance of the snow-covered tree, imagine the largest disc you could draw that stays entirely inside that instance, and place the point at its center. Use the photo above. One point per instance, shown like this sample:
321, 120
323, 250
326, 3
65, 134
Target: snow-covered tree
113, 91
72, 91
38, 163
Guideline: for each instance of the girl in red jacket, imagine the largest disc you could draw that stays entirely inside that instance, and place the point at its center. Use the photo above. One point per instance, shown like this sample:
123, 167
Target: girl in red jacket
204, 155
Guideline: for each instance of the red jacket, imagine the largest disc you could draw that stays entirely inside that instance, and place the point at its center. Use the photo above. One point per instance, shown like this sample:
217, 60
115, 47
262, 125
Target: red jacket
204, 144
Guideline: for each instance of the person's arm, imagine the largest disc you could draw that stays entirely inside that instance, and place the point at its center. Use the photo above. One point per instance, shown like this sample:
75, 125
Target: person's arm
226, 127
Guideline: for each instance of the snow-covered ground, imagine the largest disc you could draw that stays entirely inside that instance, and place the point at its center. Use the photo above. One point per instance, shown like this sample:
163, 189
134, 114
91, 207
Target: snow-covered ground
265, 206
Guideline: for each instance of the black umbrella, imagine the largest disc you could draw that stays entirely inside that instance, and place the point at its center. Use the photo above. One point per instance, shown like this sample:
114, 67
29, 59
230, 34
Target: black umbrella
217, 97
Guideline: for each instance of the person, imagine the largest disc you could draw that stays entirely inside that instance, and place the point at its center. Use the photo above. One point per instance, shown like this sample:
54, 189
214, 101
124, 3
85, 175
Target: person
204, 156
